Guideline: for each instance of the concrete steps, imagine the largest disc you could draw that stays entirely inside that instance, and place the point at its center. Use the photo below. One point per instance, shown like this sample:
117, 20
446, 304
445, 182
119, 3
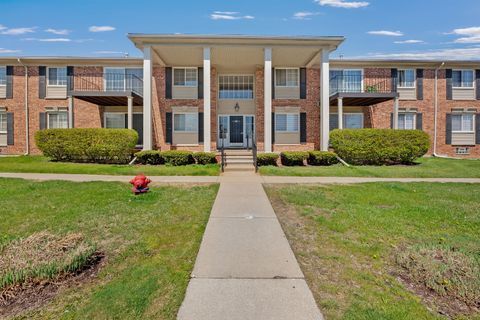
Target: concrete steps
239, 160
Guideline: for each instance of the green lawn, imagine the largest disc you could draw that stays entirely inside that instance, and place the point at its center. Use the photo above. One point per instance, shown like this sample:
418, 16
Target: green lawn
346, 239
150, 242
39, 164
426, 168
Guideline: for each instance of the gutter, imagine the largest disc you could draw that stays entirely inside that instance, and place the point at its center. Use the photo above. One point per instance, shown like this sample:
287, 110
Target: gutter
27, 127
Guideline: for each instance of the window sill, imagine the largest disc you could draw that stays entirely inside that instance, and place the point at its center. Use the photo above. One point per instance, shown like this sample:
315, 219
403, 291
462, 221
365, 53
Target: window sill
195, 86
287, 87
185, 145
463, 88
57, 86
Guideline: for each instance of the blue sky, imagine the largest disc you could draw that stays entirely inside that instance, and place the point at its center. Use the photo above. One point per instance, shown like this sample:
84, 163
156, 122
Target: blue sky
430, 29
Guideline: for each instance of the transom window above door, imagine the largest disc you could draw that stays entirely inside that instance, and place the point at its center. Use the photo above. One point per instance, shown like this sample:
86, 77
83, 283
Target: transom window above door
185, 77
462, 78
57, 76
287, 77
235, 87
406, 78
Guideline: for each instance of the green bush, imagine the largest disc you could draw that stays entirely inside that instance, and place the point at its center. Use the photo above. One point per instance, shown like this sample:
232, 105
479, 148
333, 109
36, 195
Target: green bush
205, 157
178, 157
379, 146
267, 159
87, 144
293, 158
153, 157
322, 158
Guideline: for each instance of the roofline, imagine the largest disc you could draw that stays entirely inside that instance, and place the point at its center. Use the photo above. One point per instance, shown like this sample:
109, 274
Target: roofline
67, 58
430, 62
231, 36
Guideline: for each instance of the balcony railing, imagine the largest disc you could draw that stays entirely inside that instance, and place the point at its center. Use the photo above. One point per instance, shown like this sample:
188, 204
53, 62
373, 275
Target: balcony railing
359, 84
106, 82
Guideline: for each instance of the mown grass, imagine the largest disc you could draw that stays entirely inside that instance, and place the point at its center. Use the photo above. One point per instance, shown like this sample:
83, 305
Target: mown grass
425, 168
348, 240
150, 242
40, 164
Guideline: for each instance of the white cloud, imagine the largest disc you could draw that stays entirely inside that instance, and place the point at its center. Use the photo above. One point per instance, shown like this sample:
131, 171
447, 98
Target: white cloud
440, 54
304, 15
468, 35
343, 3
101, 28
3, 50
58, 31
48, 39
2, 27
16, 31
229, 15
386, 33
409, 41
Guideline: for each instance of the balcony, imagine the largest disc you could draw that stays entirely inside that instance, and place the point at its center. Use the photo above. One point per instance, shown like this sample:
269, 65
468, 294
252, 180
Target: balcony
357, 90
106, 89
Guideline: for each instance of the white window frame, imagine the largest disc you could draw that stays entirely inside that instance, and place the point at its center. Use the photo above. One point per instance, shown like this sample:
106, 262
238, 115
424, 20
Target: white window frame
235, 75
49, 113
414, 79
286, 79
404, 122
461, 79
3, 70
297, 114
196, 114
462, 114
185, 77
4, 132
57, 85
105, 114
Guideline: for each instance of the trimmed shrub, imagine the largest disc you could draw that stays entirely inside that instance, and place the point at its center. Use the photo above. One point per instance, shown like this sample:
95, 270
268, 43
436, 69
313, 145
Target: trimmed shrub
293, 158
205, 157
379, 146
153, 157
178, 157
322, 158
267, 159
87, 144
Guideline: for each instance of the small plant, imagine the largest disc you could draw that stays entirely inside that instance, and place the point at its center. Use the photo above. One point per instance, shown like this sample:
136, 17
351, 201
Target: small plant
153, 157
322, 158
178, 157
267, 159
371, 89
293, 158
205, 157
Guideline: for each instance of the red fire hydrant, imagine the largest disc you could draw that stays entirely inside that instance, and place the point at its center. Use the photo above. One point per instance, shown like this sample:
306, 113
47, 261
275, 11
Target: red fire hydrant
140, 184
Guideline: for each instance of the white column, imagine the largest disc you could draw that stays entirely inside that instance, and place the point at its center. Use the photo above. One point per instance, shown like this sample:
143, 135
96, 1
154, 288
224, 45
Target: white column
206, 100
70, 112
147, 98
267, 104
324, 99
395, 114
130, 113
340, 113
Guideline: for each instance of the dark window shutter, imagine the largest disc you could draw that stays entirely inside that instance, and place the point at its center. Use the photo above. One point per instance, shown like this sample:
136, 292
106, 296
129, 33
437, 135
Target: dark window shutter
42, 82
273, 127
419, 124
448, 126
333, 121
200, 83
394, 80
126, 120
419, 84
168, 127
10, 129
448, 78
70, 78
477, 128
391, 120
303, 127
200, 127
303, 83
168, 83
9, 82
477, 84
273, 83
43, 120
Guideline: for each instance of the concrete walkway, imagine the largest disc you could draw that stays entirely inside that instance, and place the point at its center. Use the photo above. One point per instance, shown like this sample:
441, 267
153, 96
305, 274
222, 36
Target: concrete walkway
245, 268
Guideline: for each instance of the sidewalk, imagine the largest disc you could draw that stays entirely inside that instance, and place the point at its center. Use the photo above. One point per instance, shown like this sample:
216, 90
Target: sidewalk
245, 268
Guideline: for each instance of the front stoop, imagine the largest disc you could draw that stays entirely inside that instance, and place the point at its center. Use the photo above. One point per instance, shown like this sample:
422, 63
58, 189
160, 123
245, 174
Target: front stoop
239, 161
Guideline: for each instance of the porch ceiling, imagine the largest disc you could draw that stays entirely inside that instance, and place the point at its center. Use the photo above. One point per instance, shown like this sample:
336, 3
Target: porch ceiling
108, 98
362, 99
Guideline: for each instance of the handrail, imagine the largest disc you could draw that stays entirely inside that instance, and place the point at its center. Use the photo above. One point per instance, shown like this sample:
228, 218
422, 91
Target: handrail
254, 151
360, 84
107, 82
222, 149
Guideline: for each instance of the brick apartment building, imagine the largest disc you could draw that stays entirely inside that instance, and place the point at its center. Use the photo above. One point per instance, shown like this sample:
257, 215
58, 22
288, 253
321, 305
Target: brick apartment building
201, 92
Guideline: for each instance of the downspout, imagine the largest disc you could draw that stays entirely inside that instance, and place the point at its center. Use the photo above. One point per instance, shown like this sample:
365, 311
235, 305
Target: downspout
27, 127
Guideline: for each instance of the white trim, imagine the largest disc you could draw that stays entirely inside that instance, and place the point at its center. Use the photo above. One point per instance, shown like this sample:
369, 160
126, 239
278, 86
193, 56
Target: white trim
227, 138
414, 78
185, 77
57, 85
286, 85
233, 75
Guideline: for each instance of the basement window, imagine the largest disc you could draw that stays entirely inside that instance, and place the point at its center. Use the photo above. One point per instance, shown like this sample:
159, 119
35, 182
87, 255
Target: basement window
462, 150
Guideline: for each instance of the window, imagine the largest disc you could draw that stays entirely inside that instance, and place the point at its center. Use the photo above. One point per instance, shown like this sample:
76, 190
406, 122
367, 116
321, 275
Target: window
406, 78
353, 120
462, 78
57, 120
235, 87
286, 77
3, 128
463, 122
57, 76
287, 122
121, 79
3, 76
346, 81
406, 121
115, 120
462, 150
185, 122
185, 77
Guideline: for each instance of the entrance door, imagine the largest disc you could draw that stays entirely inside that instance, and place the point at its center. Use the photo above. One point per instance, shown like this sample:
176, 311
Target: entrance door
236, 130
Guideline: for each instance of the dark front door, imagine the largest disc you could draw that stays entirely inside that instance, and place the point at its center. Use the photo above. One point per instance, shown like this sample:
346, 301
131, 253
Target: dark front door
236, 129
